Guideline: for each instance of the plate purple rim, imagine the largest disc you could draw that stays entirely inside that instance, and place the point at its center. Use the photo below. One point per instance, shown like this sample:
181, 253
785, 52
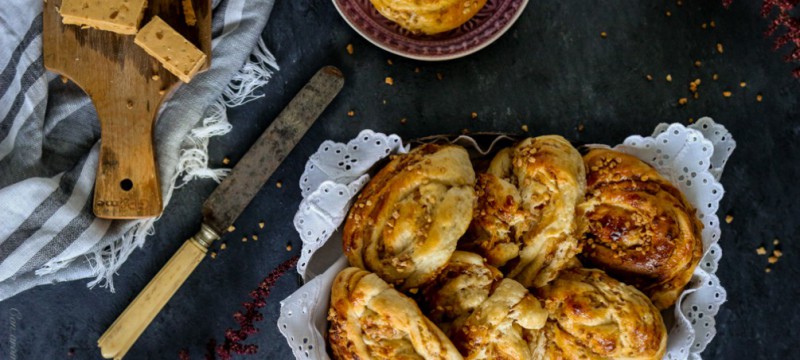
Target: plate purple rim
486, 27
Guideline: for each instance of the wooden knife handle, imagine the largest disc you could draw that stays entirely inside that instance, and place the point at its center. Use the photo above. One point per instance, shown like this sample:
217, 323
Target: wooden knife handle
127, 185
121, 335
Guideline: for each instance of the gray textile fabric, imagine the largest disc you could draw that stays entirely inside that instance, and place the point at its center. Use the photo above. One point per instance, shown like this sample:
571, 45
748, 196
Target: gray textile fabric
49, 137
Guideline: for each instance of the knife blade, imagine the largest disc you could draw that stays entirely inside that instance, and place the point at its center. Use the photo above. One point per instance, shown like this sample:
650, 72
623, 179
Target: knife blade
224, 205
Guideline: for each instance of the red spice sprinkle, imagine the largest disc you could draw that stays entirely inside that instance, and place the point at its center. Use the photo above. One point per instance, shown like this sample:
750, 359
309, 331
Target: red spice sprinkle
233, 344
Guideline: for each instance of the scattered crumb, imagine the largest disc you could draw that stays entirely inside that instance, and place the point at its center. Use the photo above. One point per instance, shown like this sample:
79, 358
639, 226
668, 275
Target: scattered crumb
777, 253
279, 184
693, 85
580, 127
691, 120
603, 35
403, 121
351, 113
474, 115
213, 255
155, 77
776, 242
668, 13
63, 79
649, 77
524, 127
244, 239
720, 49
704, 25
679, 2
226, 161
727, 94
712, 24
417, 70
350, 49
698, 63
772, 259
389, 81
682, 101
413, 290
161, 91
761, 251
255, 237
729, 218
759, 98
669, 78
389, 61
223, 246
439, 76
288, 247
742, 84
715, 77
261, 225
384, 102
231, 228
767, 270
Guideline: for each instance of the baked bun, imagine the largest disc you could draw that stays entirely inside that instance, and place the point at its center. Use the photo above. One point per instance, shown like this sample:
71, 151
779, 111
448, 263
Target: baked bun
524, 220
638, 227
486, 316
371, 320
428, 16
593, 316
465, 283
406, 222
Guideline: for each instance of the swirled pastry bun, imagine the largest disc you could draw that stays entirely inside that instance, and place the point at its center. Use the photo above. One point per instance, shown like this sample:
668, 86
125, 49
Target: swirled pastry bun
593, 316
638, 227
524, 222
405, 224
428, 16
486, 316
371, 320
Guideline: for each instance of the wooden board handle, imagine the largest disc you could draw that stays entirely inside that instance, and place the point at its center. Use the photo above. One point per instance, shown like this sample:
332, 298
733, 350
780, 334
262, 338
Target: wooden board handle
127, 185
121, 335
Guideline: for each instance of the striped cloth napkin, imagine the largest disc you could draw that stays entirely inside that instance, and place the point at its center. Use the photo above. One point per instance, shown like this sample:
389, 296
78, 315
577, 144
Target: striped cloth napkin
49, 137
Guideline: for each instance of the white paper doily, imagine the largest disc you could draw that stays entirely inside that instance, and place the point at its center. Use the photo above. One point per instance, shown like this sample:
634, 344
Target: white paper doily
692, 157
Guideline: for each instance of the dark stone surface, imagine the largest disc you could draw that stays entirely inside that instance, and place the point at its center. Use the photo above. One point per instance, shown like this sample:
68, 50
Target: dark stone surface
551, 71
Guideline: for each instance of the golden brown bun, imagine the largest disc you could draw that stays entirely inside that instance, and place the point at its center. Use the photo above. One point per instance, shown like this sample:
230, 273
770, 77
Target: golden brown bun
406, 222
638, 227
502, 326
593, 316
486, 316
371, 320
465, 283
428, 16
525, 218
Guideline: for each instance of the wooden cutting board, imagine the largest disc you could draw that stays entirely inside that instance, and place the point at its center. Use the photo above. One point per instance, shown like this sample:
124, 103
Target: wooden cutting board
127, 87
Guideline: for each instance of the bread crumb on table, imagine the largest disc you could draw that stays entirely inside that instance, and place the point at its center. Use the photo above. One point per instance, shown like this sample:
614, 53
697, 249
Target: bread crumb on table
351, 113
279, 184
777, 253
389, 81
350, 49
524, 127
226, 161
603, 34
761, 251
669, 78
729, 218
742, 84
649, 77
720, 49
776, 242
255, 237
474, 115
727, 94
288, 247
231, 228
682, 101
439, 76
772, 259
759, 97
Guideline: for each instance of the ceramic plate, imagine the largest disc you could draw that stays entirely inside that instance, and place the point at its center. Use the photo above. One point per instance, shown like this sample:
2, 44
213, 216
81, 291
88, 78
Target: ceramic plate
491, 22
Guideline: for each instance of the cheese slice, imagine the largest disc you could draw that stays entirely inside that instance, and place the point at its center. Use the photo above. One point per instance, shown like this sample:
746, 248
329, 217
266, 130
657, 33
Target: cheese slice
166, 45
119, 16
188, 13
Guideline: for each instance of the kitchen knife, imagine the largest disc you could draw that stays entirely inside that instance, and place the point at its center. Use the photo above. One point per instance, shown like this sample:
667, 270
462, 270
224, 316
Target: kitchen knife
223, 207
